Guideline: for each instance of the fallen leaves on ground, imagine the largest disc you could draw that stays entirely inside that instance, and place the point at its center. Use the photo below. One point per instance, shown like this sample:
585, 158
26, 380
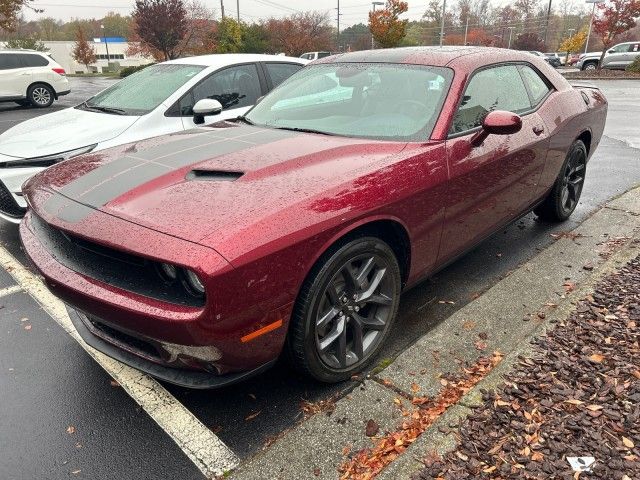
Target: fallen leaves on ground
570, 235
366, 464
311, 408
253, 415
576, 395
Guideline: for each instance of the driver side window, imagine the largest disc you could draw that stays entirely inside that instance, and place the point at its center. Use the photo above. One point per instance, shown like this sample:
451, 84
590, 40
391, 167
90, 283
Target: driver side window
496, 88
233, 87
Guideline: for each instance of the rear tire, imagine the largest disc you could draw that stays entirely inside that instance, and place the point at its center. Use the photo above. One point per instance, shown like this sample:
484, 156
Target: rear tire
41, 95
565, 194
345, 310
589, 65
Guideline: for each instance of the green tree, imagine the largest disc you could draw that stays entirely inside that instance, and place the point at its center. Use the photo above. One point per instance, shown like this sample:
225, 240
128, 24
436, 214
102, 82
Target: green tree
116, 25
255, 38
27, 43
229, 36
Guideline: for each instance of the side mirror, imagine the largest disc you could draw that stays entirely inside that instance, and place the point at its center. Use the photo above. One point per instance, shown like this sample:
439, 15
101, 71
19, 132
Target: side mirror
204, 107
498, 122
611, 51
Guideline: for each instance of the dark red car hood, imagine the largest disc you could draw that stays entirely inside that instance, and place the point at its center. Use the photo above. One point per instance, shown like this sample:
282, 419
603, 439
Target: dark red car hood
206, 185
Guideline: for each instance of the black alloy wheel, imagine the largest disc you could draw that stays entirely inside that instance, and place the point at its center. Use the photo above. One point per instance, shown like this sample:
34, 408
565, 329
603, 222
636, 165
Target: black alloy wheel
565, 194
345, 310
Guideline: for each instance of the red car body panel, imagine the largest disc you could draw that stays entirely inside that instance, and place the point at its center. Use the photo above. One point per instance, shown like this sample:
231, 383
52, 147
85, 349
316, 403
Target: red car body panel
254, 239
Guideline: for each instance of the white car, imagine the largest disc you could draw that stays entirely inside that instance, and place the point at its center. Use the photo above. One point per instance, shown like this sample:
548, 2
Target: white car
163, 98
29, 77
315, 55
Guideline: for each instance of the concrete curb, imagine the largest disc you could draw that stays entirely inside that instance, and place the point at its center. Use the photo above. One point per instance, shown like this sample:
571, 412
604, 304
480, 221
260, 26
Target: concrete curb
504, 318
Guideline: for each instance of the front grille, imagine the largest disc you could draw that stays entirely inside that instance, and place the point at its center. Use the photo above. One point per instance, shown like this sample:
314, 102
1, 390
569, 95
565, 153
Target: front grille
8, 205
110, 266
123, 340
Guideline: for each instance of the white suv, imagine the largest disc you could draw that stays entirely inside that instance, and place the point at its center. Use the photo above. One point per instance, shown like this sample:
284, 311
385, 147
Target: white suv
28, 77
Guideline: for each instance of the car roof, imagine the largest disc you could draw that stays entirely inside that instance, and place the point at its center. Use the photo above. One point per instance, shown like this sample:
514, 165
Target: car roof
433, 56
223, 59
21, 50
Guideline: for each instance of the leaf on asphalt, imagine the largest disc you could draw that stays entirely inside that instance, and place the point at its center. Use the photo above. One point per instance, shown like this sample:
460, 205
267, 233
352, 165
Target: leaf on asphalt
114, 383
480, 345
627, 442
316, 472
252, 415
569, 287
415, 388
596, 358
469, 325
71, 429
27, 327
311, 408
448, 302
372, 428
75, 472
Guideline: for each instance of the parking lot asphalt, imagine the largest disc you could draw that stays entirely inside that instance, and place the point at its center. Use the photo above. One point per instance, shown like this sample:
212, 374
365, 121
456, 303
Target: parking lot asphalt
48, 383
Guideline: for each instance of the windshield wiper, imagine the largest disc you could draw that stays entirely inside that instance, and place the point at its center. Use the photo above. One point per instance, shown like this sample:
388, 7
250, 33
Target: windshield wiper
304, 130
242, 118
116, 111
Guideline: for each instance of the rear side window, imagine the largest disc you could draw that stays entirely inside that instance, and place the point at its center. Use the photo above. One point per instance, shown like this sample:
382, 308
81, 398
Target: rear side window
496, 88
537, 86
33, 60
233, 87
9, 61
279, 72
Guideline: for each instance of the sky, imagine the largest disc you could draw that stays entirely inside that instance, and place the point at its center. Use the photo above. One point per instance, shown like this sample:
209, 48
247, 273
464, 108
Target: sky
352, 11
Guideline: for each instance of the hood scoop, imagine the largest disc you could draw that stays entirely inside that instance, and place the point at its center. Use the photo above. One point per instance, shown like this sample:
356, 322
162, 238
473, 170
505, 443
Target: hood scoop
213, 175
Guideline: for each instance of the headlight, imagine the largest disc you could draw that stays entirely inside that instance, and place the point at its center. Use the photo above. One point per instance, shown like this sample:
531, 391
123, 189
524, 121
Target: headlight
47, 160
194, 285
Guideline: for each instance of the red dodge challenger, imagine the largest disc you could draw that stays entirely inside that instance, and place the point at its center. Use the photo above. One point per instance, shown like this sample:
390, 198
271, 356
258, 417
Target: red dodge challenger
201, 257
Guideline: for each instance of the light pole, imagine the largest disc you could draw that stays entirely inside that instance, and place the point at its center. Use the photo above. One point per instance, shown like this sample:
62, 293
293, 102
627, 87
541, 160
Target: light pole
238, 9
546, 24
593, 12
511, 29
374, 9
466, 29
106, 44
338, 33
444, 6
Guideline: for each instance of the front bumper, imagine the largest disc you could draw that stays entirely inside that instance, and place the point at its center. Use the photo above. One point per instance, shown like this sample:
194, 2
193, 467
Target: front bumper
12, 204
178, 376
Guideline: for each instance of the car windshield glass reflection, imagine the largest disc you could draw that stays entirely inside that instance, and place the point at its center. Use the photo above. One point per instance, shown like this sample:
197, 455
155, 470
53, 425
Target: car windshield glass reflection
140, 93
382, 101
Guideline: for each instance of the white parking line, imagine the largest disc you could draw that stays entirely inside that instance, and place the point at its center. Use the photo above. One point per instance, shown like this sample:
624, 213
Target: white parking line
9, 290
203, 448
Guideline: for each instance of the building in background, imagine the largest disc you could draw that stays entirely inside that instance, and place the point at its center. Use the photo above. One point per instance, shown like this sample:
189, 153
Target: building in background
62, 52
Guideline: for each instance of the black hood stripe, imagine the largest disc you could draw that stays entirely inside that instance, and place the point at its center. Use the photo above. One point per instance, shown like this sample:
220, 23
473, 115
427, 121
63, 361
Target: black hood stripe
111, 180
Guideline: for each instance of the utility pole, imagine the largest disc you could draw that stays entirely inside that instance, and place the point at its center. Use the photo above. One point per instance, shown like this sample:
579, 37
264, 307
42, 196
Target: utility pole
338, 34
511, 29
444, 6
546, 24
238, 9
374, 9
466, 29
222, 8
593, 12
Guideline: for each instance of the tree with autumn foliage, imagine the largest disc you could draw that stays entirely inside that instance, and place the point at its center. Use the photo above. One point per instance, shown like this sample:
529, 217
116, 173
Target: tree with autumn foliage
10, 11
83, 51
575, 43
299, 33
161, 25
615, 17
529, 42
385, 25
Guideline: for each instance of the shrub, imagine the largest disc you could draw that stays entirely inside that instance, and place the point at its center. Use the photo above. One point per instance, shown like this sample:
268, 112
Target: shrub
635, 65
126, 71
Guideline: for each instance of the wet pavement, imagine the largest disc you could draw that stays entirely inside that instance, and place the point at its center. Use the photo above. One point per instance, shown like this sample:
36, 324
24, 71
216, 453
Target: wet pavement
47, 383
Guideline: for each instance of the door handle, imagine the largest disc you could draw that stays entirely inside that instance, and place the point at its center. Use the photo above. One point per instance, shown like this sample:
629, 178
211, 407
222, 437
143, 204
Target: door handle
538, 129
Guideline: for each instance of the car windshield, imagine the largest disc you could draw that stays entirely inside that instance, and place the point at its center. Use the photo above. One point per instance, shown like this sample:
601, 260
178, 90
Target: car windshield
143, 91
368, 100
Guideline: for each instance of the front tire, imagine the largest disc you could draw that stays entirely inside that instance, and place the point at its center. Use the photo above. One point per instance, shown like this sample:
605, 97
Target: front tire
41, 95
565, 194
590, 66
345, 310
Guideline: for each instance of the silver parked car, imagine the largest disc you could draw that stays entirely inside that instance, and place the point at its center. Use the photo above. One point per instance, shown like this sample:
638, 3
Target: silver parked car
617, 57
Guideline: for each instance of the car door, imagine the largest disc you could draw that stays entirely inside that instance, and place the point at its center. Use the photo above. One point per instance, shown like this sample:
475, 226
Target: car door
616, 56
631, 54
236, 88
492, 183
11, 76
